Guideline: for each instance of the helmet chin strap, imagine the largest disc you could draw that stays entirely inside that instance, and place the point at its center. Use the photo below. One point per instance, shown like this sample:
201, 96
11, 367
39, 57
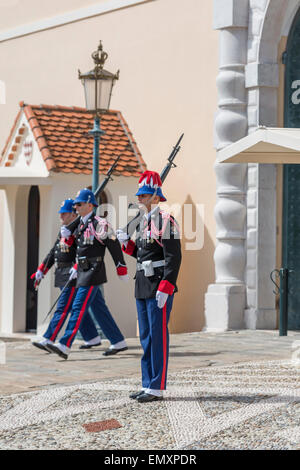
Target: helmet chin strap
153, 195
151, 199
142, 211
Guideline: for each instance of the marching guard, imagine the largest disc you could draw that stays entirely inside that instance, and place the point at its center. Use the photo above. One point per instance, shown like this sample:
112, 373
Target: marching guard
158, 253
91, 238
63, 255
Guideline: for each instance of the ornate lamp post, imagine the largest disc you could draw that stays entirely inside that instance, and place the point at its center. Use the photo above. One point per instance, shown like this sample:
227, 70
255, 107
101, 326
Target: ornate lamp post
98, 84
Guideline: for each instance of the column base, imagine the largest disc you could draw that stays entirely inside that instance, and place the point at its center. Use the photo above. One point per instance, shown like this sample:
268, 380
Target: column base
224, 307
262, 319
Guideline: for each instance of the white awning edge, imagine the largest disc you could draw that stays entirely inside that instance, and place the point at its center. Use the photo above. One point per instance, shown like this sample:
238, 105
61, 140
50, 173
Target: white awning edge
264, 145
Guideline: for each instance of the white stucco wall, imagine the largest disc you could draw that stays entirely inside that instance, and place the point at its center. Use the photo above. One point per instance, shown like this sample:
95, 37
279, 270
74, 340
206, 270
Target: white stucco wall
2, 196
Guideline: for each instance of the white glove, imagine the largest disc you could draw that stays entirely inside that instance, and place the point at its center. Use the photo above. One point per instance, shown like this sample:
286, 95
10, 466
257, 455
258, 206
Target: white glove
161, 298
39, 275
122, 236
65, 232
124, 278
73, 274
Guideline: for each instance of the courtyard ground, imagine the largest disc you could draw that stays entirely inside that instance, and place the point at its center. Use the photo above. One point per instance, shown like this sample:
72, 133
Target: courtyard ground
231, 390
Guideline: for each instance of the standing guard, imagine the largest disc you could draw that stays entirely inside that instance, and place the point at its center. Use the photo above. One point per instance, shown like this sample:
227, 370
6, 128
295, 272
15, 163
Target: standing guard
63, 255
158, 253
92, 237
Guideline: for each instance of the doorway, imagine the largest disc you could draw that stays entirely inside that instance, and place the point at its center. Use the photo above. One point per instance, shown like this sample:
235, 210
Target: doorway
32, 257
291, 177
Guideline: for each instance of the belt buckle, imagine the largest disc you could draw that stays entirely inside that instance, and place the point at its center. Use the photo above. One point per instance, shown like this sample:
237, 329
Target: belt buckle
148, 268
83, 263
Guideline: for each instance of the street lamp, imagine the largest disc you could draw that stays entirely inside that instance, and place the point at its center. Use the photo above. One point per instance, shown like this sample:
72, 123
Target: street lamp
98, 84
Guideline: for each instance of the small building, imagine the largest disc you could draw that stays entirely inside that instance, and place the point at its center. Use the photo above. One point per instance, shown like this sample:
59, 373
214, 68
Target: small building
47, 158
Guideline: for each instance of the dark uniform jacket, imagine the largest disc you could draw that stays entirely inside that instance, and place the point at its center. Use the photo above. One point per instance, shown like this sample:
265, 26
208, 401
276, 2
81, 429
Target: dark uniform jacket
147, 248
62, 255
90, 255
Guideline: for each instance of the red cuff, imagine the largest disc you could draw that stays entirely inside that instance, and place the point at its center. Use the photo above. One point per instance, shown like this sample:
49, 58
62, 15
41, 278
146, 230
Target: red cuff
75, 266
122, 271
129, 248
166, 287
42, 268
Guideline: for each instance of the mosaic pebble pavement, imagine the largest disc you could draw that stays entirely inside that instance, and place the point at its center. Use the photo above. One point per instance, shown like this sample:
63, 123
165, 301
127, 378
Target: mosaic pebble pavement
245, 406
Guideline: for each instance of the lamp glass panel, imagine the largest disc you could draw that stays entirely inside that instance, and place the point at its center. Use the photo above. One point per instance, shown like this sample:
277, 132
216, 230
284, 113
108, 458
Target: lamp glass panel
89, 92
103, 93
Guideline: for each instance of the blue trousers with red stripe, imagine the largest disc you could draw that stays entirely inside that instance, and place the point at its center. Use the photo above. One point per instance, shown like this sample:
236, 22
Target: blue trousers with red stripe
154, 338
81, 303
64, 307
104, 319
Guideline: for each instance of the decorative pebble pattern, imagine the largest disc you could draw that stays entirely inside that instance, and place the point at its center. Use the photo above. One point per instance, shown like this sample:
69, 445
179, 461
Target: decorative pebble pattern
241, 406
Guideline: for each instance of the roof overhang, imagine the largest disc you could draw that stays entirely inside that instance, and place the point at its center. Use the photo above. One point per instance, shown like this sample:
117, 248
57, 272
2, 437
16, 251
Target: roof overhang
22, 176
264, 145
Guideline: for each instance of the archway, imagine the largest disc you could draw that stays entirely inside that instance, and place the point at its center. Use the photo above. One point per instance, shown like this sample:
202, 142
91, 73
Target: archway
291, 185
32, 256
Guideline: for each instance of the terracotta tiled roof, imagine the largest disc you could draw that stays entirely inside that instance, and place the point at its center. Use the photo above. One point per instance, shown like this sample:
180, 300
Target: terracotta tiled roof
62, 136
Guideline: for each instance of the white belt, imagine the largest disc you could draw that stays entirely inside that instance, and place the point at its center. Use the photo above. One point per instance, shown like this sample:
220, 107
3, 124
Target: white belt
148, 266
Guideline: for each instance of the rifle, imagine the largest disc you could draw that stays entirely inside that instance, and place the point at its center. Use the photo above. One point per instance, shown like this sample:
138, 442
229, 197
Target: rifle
107, 178
133, 223
171, 158
65, 286
98, 191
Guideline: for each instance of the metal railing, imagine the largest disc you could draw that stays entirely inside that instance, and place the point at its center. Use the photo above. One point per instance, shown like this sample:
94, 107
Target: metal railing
282, 291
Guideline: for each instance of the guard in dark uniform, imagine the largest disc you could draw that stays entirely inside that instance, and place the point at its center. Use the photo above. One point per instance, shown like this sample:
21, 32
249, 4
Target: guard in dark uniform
92, 237
63, 255
158, 253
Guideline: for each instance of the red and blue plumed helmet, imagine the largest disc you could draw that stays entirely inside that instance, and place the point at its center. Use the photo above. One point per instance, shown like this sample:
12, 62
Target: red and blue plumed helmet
66, 206
85, 195
150, 182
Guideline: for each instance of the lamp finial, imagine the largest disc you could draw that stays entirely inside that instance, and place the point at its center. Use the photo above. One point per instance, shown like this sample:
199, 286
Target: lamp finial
99, 56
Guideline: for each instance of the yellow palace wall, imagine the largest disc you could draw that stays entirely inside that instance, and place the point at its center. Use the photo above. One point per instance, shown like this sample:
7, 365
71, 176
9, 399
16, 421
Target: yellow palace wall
167, 53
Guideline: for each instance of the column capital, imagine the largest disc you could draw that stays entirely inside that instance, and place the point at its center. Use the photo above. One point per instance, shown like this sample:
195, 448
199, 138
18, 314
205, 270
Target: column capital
230, 14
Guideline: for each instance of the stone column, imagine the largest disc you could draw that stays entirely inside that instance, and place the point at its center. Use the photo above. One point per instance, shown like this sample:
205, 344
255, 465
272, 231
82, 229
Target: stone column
225, 299
8, 259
